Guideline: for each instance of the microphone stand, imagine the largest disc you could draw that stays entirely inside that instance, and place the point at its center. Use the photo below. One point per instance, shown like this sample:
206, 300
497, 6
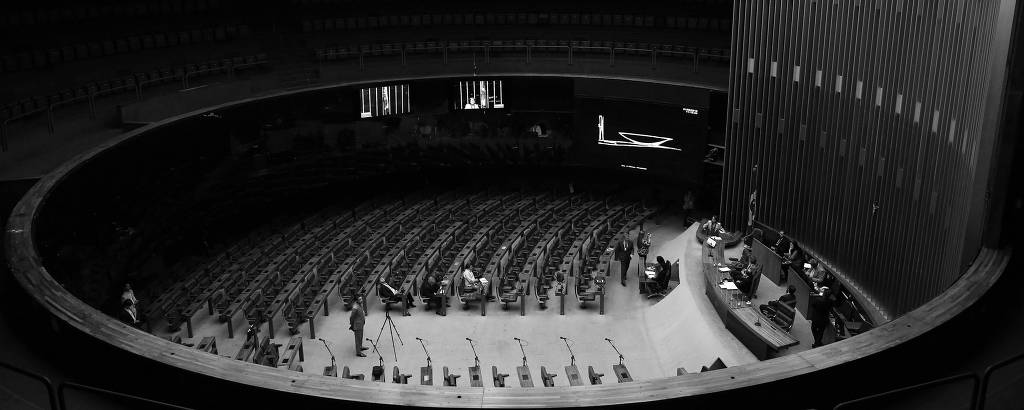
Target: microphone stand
616, 350
476, 359
379, 357
334, 365
425, 351
521, 349
572, 357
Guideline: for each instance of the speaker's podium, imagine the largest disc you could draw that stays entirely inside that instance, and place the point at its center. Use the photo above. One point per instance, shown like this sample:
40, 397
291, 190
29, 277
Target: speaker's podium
474, 377
524, 376
622, 373
573, 374
427, 376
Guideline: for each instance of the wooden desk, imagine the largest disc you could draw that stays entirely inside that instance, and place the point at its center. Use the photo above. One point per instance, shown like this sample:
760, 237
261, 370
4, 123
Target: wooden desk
742, 320
770, 262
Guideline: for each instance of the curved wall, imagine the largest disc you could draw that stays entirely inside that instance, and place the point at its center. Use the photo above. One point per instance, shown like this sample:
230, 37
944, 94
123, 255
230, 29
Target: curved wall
209, 378
860, 125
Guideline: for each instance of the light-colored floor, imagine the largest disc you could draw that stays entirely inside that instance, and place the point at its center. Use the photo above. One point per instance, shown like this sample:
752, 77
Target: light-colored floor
654, 335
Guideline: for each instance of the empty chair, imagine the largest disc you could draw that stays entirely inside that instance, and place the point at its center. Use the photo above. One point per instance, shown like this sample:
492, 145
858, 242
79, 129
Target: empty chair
450, 379
547, 378
345, 374
595, 377
499, 378
717, 364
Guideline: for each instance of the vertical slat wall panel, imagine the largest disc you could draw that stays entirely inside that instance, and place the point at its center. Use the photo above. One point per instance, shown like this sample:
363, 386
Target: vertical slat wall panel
859, 128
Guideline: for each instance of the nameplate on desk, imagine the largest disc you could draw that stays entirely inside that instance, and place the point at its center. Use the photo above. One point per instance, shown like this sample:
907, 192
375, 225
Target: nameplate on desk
650, 273
728, 286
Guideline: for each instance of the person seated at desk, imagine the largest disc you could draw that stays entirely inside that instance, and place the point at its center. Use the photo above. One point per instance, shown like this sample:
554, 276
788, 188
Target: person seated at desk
815, 273
746, 277
389, 294
789, 298
559, 285
469, 282
428, 290
773, 308
743, 261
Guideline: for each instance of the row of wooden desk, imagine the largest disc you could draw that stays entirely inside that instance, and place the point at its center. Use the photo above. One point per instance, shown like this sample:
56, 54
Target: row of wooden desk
756, 332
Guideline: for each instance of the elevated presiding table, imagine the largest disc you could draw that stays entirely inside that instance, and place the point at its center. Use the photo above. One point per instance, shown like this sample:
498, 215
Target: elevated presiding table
756, 332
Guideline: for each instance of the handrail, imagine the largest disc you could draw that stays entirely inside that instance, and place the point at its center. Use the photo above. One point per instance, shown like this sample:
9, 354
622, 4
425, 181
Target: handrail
51, 394
65, 385
969, 376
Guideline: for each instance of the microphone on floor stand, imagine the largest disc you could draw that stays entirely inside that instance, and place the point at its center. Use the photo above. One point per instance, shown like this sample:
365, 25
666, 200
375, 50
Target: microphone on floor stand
476, 358
621, 358
521, 349
333, 365
572, 356
425, 351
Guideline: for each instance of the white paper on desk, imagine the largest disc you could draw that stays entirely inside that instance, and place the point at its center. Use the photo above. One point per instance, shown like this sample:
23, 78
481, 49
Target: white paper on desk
650, 273
728, 286
717, 238
724, 269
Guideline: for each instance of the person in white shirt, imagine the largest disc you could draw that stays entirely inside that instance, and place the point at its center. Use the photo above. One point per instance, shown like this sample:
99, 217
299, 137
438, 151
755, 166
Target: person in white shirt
129, 294
388, 293
128, 314
469, 279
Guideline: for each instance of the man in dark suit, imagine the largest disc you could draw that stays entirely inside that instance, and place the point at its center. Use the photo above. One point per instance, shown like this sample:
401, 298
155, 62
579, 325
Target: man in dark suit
790, 297
428, 290
624, 254
747, 275
664, 273
355, 323
820, 307
782, 245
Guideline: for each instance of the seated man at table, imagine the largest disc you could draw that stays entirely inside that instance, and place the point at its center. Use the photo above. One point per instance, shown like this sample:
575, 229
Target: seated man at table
428, 291
743, 261
470, 284
814, 273
746, 277
389, 294
789, 298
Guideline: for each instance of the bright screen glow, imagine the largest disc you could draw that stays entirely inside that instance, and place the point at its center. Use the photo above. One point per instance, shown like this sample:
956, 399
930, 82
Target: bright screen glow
384, 100
480, 94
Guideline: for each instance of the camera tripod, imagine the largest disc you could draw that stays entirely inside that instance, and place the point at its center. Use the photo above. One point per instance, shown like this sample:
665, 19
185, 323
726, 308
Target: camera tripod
392, 330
